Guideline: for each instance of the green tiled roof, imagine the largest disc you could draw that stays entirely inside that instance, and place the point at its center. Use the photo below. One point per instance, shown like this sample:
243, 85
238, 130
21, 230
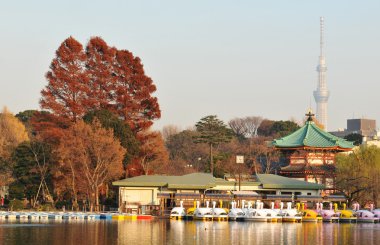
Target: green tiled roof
198, 181
308, 168
189, 181
271, 181
310, 135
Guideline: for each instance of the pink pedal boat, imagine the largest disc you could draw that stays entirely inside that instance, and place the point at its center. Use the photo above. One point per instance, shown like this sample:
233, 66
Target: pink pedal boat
366, 216
376, 212
329, 216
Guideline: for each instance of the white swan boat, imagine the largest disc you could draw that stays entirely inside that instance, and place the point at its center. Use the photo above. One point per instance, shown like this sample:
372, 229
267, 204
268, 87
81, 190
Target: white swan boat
22, 215
11, 215
220, 214
33, 216
3, 215
236, 214
178, 212
203, 213
291, 215
55, 216
255, 214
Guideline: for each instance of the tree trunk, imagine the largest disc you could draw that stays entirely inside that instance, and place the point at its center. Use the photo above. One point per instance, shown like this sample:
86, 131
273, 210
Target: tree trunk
374, 196
75, 195
211, 161
97, 198
255, 165
375, 191
75, 203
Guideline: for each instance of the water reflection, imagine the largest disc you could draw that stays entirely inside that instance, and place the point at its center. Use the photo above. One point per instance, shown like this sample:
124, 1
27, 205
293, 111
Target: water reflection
181, 232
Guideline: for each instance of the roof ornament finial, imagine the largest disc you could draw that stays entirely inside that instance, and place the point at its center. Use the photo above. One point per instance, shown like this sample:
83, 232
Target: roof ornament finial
310, 115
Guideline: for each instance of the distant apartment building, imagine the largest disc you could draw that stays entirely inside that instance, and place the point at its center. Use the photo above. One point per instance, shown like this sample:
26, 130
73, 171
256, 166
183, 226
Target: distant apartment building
364, 127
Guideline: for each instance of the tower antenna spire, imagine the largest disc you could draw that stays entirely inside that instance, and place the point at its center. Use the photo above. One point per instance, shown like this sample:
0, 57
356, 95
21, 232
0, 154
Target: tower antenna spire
322, 29
321, 94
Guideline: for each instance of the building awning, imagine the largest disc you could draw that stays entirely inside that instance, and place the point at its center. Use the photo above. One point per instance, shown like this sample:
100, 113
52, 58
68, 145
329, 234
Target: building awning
248, 193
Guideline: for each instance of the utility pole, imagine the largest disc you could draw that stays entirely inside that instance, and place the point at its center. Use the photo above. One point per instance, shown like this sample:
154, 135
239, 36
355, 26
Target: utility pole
240, 161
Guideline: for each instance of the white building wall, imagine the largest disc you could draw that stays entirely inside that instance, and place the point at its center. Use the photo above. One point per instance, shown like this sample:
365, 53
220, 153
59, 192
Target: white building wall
135, 196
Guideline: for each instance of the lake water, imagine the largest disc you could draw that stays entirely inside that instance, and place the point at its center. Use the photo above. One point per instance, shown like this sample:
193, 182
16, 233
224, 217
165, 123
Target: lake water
184, 232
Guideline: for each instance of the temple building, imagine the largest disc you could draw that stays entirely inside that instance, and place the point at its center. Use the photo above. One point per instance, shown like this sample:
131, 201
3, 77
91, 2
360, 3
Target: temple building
310, 154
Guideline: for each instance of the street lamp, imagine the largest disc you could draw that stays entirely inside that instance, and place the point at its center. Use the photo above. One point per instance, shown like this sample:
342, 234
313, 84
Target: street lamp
239, 160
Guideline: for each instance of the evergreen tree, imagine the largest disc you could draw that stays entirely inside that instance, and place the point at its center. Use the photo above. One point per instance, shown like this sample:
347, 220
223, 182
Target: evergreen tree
212, 131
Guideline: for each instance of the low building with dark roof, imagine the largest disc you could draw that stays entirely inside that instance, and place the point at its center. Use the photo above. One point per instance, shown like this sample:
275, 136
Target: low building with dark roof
161, 191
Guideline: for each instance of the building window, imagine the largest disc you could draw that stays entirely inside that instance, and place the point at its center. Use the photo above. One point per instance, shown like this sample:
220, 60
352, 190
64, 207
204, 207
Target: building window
285, 193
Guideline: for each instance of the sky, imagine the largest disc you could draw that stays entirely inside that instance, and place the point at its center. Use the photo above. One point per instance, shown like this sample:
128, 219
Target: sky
214, 57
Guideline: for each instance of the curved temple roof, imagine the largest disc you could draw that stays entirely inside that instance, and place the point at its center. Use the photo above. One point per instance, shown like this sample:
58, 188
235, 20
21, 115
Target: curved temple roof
311, 136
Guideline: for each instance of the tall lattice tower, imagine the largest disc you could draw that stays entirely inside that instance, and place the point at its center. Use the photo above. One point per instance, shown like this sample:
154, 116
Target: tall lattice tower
321, 95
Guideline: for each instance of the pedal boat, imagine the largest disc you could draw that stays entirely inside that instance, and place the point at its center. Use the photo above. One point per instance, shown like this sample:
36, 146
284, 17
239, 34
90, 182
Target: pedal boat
190, 214
258, 215
365, 216
220, 214
376, 212
178, 213
329, 216
203, 214
311, 216
236, 214
347, 216
291, 215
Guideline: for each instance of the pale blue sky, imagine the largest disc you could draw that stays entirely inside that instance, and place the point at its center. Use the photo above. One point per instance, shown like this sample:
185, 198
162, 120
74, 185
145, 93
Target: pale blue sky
229, 58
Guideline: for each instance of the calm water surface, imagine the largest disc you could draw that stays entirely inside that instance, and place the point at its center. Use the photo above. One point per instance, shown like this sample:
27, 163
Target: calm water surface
182, 232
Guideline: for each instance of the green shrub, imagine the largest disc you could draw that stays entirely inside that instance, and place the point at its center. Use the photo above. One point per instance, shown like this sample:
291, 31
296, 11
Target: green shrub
60, 204
16, 204
111, 202
46, 207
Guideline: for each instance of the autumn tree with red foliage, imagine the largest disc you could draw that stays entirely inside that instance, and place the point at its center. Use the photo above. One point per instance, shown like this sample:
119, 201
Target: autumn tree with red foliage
66, 95
133, 89
101, 77
48, 127
96, 77
154, 157
100, 58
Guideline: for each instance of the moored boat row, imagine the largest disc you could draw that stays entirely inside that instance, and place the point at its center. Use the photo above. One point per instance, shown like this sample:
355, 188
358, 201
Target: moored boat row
35, 216
289, 214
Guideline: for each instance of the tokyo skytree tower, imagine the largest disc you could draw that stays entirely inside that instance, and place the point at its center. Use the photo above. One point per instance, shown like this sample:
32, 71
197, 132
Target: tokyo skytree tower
321, 95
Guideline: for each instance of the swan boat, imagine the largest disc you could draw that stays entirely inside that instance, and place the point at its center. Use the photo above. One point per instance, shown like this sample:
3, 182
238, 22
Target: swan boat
178, 212
348, 216
365, 216
220, 214
291, 215
203, 213
329, 215
309, 215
